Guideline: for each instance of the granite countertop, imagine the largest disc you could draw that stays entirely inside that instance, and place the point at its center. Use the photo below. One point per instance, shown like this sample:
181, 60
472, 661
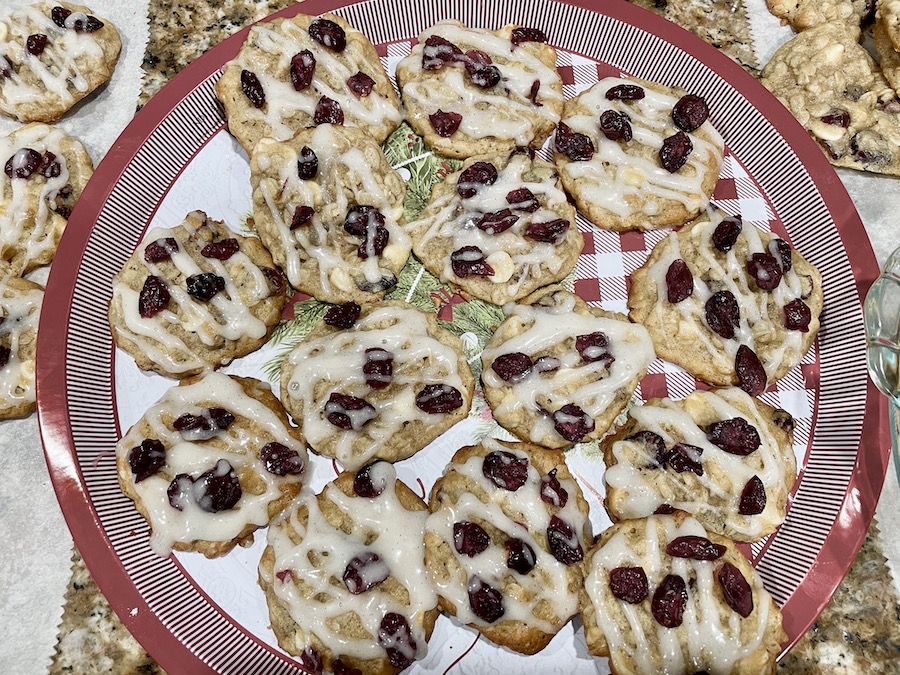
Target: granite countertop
859, 631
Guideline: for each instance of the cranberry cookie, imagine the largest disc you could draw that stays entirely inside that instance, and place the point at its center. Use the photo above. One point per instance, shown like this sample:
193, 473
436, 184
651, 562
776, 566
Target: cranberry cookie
729, 303
558, 372
499, 228
636, 155
330, 209
720, 455
20, 309
662, 595
295, 73
376, 382
212, 461
471, 91
194, 297
505, 541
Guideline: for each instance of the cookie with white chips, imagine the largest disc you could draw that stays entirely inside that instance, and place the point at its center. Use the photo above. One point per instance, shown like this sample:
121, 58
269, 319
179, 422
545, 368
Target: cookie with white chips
803, 14
505, 542
194, 297
52, 55
888, 54
344, 578
20, 310
663, 595
887, 13
720, 455
44, 171
728, 302
471, 91
330, 209
213, 460
636, 155
558, 372
295, 73
376, 382
499, 228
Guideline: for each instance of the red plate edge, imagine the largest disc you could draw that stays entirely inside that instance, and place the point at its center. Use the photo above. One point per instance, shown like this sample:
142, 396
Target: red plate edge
842, 543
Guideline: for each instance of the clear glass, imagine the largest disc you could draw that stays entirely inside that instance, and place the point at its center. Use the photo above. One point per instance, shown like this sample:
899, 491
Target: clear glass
882, 315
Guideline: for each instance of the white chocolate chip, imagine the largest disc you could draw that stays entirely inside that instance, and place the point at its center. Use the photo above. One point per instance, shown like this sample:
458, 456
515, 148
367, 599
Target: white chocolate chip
832, 54
827, 132
502, 265
341, 279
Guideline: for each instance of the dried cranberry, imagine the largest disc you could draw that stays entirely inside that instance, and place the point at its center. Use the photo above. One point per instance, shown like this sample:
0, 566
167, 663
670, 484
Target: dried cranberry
146, 459
364, 485
625, 92
479, 173
470, 539
523, 199
275, 279
361, 84
499, 221
653, 446
552, 492
669, 601
438, 51
679, 281
551, 232
328, 34
572, 423
445, 124
219, 488
736, 589
469, 261
435, 399
161, 249
480, 70
837, 117
23, 163
302, 215
723, 314
154, 297
91, 25
311, 660
5, 356
59, 15
341, 668
594, 347
735, 436
781, 251
547, 364
252, 89
576, 146
513, 367
522, 34
750, 372
6, 68
180, 491
664, 510
765, 270
533, 93
378, 368
674, 151
682, 458
374, 244
361, 218
204, 286
35, 44
753, 498
563, 542
364, 572
396, 638
303, 66
797, 315
348, 412
342, 316
726, 233
204, 426
629, 584
307, 163
281, 460
519, 556
695, 548
486, 601
525, 150
505, 470
615, 126
221, 250
690, 112
328, 111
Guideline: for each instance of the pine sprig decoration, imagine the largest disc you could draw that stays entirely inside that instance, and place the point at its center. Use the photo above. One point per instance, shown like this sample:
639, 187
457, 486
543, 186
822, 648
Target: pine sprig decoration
416, 285
290, 333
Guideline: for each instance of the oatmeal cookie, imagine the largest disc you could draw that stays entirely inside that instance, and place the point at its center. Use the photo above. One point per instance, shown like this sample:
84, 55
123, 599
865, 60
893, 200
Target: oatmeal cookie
499, 228
803, 14
471, 91
720, 455
330, 209
215, 459
888, 14
20, 310
376, 382
662, 595
195, 297
295, 73
727, 302
635, 155
505, 542
888, 55
52, 55
558, 372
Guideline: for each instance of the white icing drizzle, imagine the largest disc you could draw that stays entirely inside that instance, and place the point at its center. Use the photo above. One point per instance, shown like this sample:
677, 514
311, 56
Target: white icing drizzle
484, 114
520, 514
710, 637
322, 554
595, 385
334, 363
639, 491
168, 524
615, 178
20, 311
